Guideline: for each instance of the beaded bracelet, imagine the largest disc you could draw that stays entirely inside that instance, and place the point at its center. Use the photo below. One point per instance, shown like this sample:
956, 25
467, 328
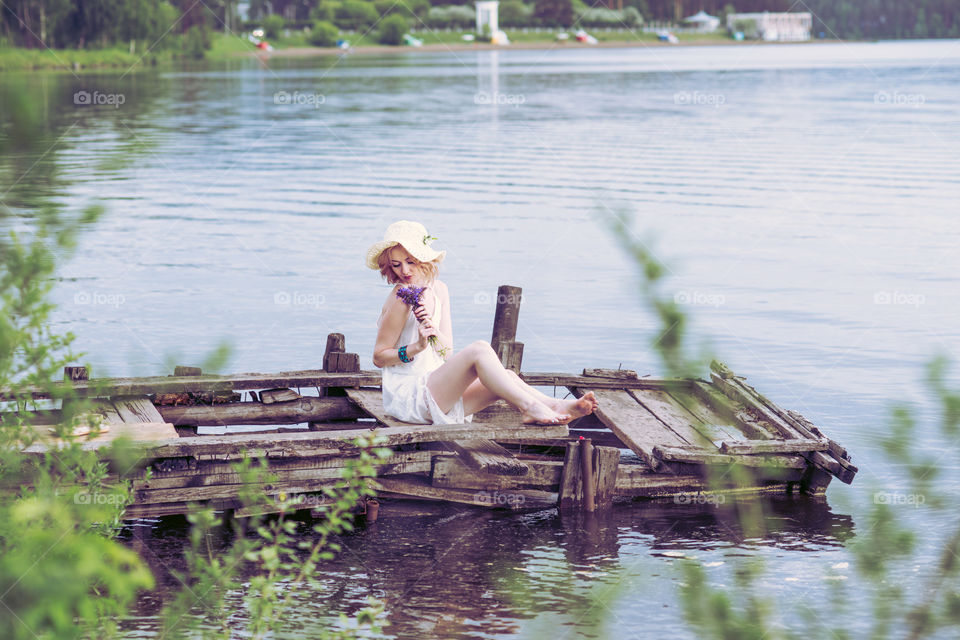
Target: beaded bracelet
402, 352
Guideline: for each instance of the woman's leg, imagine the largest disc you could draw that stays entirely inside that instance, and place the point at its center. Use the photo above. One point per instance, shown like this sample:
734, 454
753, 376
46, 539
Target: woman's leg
449, 383
478, 397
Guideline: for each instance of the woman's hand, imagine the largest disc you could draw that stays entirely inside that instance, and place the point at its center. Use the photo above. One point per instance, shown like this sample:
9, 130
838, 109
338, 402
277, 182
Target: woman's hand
425, 326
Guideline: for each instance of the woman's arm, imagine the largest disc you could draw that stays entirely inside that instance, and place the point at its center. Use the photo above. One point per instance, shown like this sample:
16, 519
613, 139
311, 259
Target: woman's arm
392, 319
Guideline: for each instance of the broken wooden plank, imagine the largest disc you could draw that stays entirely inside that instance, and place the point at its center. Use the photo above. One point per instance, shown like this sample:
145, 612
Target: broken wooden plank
282, 394
735, 390
486, 456
636, 427
136, 409
798, 445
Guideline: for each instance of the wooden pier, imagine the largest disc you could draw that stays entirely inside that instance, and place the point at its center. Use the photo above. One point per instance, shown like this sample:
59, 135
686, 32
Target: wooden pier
650, 439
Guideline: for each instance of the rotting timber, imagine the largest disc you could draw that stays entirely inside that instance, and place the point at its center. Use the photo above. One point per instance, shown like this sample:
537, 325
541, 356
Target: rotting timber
650, 439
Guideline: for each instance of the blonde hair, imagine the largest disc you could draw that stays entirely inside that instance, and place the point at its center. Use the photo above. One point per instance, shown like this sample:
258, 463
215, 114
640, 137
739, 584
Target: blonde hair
429, 270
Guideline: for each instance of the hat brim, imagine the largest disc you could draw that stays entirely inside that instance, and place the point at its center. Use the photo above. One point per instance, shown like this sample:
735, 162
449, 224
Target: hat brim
423, 253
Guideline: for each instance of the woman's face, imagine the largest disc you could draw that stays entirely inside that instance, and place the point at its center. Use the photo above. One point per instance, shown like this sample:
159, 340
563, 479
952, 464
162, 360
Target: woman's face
405, 266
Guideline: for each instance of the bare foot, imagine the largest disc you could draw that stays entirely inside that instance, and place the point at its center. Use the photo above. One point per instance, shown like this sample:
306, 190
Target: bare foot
577, 408
539, 413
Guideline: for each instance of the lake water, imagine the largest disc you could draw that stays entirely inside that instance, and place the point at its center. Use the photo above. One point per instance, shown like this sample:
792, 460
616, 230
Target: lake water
803, 196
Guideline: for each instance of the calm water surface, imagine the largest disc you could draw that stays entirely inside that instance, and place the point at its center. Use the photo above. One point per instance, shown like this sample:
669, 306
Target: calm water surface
804, 197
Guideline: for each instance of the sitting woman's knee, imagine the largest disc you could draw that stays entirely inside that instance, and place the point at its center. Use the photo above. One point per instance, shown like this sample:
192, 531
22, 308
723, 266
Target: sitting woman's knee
480, 347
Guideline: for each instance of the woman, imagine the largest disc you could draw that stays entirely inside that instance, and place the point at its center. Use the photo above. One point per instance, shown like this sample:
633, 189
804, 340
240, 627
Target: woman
418, 385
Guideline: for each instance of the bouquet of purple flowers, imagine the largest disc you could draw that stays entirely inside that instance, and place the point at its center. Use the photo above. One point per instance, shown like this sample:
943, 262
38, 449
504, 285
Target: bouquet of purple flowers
412, 295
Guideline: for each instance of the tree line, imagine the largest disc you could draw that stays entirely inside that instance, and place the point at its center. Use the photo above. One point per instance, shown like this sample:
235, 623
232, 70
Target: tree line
102, 23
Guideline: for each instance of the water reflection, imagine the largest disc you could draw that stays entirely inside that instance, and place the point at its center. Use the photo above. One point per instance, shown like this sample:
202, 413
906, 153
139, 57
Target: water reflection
455, 573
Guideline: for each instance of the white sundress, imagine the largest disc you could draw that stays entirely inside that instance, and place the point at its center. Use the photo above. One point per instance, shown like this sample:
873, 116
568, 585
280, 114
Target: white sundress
405, 393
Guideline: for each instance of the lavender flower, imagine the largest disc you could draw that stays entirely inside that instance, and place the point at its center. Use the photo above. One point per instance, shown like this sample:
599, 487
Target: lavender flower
411, 296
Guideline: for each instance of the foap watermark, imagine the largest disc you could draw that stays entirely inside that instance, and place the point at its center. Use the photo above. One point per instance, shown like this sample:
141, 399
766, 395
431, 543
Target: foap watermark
699, 298
500, 499
484, 298
303, 500
899, 298
99, 298
87, 98
299, 299
700, 498
299, 98
699, 98
899, 499
98, 498
503, 99
898, 99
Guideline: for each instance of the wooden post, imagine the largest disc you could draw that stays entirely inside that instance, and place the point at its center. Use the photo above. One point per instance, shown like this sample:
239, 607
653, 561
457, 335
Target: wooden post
505, 321
586, 474
336, 343
76, 373
186, 430
604, 463
336, 361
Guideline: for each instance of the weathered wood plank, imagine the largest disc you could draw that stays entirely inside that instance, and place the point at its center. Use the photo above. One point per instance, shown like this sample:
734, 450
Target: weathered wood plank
617, 374
801, 445
136, 409
301, 409
314, 378
677, 419
604, 464
632, 423
486, 456
207, 473
735, 390
321, 443
270, 396
677, 454
515, 499
451, 472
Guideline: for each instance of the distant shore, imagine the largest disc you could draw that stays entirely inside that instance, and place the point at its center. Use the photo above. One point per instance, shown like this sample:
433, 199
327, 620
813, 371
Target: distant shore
234, 47
303, 52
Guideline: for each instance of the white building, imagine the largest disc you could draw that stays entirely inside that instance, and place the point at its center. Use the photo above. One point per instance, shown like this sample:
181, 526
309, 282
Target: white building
703, 22
488, 16
780, 27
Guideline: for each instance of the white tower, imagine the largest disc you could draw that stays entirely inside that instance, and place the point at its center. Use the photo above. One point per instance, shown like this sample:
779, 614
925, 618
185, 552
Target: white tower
488, 17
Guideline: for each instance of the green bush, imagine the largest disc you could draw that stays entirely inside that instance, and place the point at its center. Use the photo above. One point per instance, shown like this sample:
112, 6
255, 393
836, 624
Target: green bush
392, 29
323, 11
514, 13
323, 34
197, 42
355, 14
273, 25
406, 8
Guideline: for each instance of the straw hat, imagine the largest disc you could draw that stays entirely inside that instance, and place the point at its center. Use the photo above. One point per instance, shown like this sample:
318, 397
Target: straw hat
412, 236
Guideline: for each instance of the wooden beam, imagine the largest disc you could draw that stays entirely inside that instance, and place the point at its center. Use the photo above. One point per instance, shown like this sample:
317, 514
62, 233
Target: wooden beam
798, 445
305, 409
